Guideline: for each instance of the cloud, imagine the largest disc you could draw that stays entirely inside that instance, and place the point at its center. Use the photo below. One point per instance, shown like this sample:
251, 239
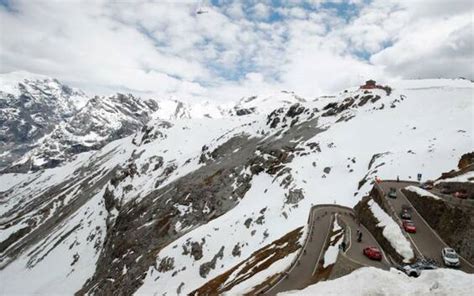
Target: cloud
261, 11
237, 48
433, 41
235, 10
443, 49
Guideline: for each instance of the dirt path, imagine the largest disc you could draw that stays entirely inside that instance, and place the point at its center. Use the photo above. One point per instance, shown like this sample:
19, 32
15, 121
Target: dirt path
425, 240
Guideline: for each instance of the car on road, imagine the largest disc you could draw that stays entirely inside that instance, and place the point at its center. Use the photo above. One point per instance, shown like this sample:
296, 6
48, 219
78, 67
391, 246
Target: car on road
412, 270
405, 214
373, 253
460, 194
409, 226
427, 186
392, 192
426, 264
450, 257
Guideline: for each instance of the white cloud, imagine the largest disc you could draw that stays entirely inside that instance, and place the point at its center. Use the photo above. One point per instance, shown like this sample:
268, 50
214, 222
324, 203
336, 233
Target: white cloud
235, 10
434, 41
261, 11
163, 48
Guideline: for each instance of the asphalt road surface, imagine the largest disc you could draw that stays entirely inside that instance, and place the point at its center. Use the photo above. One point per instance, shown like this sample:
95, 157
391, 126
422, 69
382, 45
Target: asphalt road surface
355, 249
426, 241
302, 274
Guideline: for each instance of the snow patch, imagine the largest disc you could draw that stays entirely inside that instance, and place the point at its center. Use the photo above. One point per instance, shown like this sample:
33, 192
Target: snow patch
392, 232
421, 191
467, 177
373, 281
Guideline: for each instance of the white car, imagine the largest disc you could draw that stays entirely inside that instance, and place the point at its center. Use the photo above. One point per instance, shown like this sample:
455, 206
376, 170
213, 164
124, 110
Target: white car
450, 257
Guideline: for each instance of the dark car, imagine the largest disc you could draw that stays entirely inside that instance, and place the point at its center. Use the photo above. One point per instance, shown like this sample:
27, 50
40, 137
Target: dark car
427, 186
426, 264
411, 270
373, 253
405, 214
392, 192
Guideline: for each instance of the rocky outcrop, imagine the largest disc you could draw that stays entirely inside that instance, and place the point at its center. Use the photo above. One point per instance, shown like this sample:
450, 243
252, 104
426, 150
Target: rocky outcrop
205, 268
294, 196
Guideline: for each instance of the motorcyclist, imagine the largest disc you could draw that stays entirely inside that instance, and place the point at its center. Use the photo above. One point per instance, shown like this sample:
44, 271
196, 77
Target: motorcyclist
359, 236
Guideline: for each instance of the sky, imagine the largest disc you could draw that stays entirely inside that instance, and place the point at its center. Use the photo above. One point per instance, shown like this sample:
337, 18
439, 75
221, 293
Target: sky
236, 48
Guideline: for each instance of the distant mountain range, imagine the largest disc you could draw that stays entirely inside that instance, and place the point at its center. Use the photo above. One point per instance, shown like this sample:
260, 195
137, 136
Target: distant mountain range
45, 122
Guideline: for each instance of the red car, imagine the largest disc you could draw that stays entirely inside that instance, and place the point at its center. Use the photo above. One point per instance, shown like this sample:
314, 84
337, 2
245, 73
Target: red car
460, 194
409, 226
373, 253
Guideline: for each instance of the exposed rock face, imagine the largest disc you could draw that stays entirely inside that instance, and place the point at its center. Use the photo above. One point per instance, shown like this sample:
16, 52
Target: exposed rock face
248, 222
101, 120
166, 264
33, 112
294, 196
466, 160
236, 250
206, 267
196, 250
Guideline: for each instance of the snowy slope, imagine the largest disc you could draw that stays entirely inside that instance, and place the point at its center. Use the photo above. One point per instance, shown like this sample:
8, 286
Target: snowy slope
421, 192
172, 109
372, 281
185, 200
265, 103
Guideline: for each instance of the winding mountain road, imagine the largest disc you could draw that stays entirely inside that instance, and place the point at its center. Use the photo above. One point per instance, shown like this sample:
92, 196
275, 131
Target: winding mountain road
354, 250
425, 241
321, 217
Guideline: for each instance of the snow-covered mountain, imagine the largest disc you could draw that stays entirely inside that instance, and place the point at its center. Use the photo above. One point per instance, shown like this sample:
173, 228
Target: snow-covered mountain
187, 199
100, 121
45, 122
31, 109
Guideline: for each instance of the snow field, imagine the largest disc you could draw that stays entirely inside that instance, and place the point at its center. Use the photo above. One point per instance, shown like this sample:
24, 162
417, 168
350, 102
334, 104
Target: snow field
372, 281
